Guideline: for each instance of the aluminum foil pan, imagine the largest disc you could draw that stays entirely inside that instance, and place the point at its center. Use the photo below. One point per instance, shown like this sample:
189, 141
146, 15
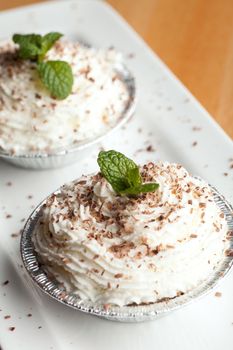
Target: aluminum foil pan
125, 313
77, 152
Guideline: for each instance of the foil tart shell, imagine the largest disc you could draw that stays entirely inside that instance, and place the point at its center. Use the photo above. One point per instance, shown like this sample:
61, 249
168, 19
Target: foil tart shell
136, 313
64, 156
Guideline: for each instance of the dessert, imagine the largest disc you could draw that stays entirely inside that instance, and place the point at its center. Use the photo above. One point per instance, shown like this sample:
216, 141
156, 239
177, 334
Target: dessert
150, 242
33, 121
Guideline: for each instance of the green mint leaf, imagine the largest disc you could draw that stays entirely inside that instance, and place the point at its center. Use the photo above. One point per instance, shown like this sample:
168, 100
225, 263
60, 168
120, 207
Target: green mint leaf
134, 177
123, 174
47, 43
29, 45
115, 167
35, 46
57, 77
149, 187
144, 188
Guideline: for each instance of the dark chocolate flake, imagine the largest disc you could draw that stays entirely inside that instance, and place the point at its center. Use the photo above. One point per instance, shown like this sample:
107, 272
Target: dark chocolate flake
5, 283
229, 252
196, 128
150, 148
131, 55
14, 235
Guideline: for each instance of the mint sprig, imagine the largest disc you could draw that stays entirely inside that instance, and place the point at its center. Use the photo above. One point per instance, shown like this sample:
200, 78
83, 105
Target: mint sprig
29, 45
56, 76
35, 46
123, 174
47, 42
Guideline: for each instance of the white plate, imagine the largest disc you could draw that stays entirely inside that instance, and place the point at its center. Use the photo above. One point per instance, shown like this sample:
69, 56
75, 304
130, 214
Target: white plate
167, 114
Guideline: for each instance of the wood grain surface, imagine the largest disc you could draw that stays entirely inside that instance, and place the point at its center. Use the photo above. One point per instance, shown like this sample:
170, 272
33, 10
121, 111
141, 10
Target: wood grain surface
193, 37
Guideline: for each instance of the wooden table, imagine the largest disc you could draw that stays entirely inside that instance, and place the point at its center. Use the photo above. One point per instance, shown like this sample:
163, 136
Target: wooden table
194, 38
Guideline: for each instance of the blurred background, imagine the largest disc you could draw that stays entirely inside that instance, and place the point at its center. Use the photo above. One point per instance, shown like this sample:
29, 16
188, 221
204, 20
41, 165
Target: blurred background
193, 37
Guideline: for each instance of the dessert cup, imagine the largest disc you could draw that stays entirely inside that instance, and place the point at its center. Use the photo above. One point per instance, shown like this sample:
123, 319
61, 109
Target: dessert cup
130, 313
74, 153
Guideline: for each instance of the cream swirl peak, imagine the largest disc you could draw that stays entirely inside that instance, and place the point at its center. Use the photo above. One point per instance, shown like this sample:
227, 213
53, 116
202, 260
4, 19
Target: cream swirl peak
33, 122
120, 250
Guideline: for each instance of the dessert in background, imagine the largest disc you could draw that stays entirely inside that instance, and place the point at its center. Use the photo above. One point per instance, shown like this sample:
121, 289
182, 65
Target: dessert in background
55, 94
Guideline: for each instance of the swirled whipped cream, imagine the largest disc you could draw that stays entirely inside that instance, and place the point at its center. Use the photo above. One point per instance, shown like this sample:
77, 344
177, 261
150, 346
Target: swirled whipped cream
32, 121
119, 250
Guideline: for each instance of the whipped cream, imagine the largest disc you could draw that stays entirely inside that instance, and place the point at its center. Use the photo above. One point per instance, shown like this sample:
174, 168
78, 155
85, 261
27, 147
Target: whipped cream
118, 250
31, 121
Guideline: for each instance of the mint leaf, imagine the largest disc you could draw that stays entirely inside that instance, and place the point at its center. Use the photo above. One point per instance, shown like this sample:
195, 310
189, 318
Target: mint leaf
144, 188
35, 46
134, 177
57, 77
123, 174
115, 167
47, 43
149, 187
29, 45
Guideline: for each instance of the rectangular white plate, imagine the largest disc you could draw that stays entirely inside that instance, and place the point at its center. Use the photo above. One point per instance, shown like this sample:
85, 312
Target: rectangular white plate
178, 128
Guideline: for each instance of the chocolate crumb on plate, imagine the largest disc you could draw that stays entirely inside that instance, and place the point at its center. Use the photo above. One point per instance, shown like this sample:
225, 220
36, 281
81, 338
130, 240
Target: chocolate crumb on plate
218, 294
194, 143
196, 128
15, 235
11, 329
150, 148
5, 283
131, 55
